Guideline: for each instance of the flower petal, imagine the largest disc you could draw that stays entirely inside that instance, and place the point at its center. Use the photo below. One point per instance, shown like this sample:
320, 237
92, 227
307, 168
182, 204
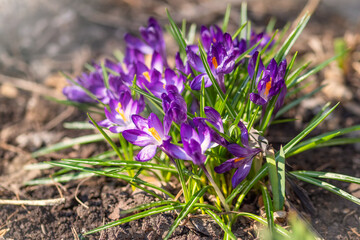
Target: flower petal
154, 122
225, 166
146, 154
241, 174
257, 99
138, 137
175, 151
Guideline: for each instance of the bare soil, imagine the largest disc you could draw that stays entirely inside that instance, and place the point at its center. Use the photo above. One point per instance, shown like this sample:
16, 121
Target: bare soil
63, 35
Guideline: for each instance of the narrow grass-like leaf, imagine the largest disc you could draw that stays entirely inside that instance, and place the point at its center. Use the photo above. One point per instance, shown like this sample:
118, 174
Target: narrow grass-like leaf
296, 102
221, 223
202, 99
108, 139
243, 18
135, 217
127, 164
239, 31
324, 139
337, 142
273, 175
78, 125
237, 190
329, 175
111, 174
291, 79
177, 34
317, 68
185, 211
280, 161
268, 208
62, 178
226, 18
69, 143
259, 219
147, 205
289, 42
246, 53
327, 186
87, 107
307, 130
105, 75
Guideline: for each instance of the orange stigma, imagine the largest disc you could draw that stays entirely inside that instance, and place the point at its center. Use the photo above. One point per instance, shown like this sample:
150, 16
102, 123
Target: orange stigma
214, 62
121, 112
214, 39
238, 159
147, 76
155, 134
267, 87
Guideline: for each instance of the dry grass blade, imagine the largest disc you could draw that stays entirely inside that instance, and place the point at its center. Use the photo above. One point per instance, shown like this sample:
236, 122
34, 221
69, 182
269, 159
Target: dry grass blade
45, 202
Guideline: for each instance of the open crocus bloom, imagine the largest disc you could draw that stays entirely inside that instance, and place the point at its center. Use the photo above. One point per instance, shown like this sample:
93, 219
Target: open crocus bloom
149, 133
118, 118
271, 83
195, 144
243, 158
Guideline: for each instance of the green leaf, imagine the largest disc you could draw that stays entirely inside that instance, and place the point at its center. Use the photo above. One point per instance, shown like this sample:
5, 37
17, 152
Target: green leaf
317, 68
78, 125
147, 205
127, 164
108, 139
105, 75
289, 42
62, 178
328, 175
296, 102
226, 18
111, 173
175, 31
185, 211
268, 208
239, 188
243, 18
280, 161
273, 175
135, 217
327, 186
239, 31
221, 223
307, 130
69, 143
323, 140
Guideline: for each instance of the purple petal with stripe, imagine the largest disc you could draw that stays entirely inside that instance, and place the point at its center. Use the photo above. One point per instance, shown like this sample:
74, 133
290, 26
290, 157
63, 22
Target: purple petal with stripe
146, 154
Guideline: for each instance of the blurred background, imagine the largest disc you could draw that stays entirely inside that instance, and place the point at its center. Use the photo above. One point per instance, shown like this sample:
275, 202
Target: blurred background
39, 38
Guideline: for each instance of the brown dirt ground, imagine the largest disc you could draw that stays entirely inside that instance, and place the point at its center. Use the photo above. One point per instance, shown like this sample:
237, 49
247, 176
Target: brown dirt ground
63, 35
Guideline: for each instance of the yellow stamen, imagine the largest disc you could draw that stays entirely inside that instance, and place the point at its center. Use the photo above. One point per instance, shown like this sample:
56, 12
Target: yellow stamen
267, 87
164, 86
214, 62
155, 134
238, 159
147, 76
121, 112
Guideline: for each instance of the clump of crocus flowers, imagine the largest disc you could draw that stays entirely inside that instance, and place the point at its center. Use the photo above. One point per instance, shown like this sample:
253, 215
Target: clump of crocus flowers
125, 108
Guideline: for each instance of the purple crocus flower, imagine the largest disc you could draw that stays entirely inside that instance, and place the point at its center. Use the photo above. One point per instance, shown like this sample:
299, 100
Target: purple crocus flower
195, 144
270, 84
263, 37
149, 133
154, 41
94, 83
242, 161
214, 118
174, 107
221, 62
210, 36
118, 118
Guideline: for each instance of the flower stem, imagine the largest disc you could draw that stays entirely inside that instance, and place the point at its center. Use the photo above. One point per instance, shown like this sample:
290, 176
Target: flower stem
216, 188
